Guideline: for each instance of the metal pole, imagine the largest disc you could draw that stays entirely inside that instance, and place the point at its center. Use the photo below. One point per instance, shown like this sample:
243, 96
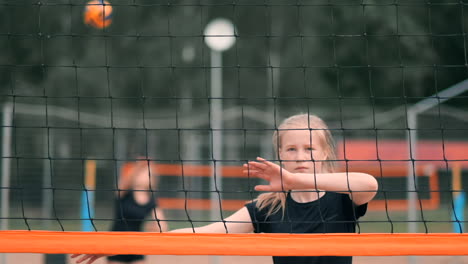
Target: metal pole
47, 198
216, 115
411, 180
6, 156
413, 113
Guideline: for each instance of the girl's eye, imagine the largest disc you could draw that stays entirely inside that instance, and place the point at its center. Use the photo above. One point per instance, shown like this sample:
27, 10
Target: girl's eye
291, 149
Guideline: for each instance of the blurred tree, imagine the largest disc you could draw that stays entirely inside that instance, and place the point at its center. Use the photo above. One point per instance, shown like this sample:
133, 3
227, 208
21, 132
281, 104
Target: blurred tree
323, 49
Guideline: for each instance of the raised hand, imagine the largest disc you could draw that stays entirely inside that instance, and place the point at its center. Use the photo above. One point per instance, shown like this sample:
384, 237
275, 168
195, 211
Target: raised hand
279, 178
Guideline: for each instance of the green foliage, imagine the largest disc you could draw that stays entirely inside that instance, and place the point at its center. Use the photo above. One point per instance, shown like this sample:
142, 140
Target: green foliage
287, 49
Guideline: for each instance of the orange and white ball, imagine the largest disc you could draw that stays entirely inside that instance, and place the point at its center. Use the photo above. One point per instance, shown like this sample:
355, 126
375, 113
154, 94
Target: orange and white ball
98, 13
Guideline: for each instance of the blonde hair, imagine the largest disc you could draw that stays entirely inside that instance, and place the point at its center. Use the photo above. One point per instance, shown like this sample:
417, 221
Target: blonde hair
275, 201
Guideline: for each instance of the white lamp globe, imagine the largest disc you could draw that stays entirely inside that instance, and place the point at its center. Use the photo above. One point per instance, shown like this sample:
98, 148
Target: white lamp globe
220, 34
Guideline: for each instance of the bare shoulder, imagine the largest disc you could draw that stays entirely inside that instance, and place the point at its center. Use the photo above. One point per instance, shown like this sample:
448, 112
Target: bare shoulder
241, 215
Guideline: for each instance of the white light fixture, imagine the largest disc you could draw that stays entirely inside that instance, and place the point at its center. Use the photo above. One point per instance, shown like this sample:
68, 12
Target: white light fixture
220, 34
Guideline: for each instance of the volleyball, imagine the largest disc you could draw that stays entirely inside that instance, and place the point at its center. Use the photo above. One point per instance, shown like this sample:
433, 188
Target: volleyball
98, 13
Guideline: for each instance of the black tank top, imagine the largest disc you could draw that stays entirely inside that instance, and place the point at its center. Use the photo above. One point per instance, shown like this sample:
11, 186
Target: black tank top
129, 215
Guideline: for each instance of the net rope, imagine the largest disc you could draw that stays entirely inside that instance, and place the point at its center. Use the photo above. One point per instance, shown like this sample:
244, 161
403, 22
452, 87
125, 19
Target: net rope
80, 103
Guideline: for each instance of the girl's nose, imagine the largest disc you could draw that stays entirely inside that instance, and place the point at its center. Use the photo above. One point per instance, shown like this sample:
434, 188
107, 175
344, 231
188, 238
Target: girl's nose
303, 156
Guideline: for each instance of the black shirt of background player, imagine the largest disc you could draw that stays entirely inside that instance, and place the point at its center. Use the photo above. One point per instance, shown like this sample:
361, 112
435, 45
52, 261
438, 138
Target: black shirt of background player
129, 215
332, 213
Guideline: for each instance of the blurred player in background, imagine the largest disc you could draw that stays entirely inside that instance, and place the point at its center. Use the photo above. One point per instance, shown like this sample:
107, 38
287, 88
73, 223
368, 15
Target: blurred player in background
136, 205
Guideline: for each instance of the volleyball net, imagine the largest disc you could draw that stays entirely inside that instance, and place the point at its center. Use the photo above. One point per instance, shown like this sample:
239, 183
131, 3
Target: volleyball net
195, 89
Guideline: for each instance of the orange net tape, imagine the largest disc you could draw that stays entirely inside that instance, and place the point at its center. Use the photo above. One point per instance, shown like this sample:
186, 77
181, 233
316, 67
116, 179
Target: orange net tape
55, 242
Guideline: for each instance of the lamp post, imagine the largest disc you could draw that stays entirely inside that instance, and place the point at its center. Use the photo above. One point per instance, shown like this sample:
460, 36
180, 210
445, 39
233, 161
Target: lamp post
219, 36
412, 117
6, 174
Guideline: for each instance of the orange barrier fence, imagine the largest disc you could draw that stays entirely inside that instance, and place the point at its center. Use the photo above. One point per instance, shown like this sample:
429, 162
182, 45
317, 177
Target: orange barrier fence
198, 204
56, 242
236, 172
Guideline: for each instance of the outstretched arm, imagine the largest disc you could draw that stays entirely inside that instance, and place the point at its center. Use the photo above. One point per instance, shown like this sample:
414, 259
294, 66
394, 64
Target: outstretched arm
239, 222
158, 221
361, 187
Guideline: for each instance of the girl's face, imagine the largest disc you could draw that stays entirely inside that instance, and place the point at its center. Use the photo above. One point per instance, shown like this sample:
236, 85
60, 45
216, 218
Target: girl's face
142, 178
299, 149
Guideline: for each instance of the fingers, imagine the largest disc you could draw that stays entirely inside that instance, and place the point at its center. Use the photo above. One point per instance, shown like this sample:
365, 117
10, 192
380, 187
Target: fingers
83, 257
261, 168
256, 173
262, 160
263, 188
257, 165
267, 163
91, 260
80, 257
